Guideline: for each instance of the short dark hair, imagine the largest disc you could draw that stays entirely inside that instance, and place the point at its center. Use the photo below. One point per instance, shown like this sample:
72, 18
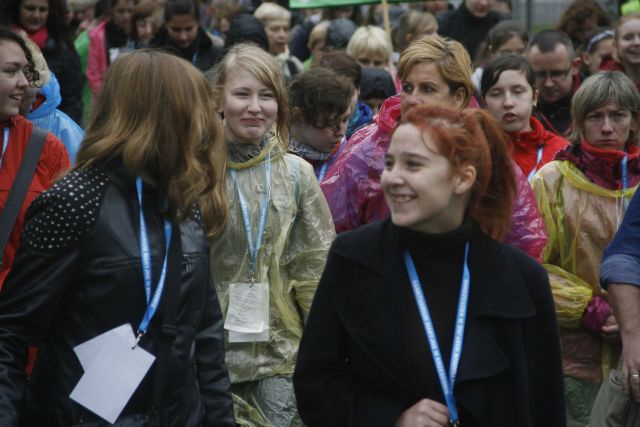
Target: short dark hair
376, 84
547, 40
182, 7
502, 63
317, 95
342, 64
246, 28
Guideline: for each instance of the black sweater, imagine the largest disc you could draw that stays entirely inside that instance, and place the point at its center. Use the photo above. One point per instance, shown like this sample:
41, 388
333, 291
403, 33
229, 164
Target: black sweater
459, 24
439, 260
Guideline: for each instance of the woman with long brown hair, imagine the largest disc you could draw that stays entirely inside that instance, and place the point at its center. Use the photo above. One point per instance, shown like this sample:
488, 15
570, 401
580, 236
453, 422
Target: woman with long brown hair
424, 319
115, 258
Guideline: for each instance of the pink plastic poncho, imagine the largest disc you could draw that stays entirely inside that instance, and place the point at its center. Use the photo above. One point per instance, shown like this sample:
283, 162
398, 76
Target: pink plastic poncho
352, 185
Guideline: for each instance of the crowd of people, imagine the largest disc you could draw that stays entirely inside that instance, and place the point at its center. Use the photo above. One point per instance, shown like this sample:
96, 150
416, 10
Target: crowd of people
231, 212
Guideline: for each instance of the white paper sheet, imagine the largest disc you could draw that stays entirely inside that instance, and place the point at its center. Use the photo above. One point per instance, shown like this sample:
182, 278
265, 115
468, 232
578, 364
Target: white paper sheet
249, 337
88, 349
248, 310
113, 375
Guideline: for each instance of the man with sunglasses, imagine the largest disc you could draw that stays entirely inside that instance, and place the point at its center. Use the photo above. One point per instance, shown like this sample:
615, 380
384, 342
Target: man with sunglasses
556, 66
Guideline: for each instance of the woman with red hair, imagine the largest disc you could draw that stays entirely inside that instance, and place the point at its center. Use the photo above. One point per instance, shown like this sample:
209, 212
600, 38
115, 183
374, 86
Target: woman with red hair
384, 343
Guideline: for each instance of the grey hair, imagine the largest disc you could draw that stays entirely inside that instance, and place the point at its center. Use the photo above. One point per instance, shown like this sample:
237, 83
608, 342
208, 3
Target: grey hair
597, 91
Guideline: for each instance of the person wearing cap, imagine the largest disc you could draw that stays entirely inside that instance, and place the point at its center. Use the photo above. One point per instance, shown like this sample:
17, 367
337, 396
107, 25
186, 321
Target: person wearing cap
246, 28
376, 86
339, 33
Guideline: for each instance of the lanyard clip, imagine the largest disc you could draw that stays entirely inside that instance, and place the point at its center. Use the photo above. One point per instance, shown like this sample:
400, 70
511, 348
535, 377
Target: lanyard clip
454, 423
138, 337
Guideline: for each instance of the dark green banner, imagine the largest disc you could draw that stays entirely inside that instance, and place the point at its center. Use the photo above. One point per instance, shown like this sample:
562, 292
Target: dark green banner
314, 4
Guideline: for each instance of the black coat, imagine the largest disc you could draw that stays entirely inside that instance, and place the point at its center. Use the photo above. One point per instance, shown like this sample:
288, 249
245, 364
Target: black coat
64, 62
78, 274
459, 24
353, 366
202, 53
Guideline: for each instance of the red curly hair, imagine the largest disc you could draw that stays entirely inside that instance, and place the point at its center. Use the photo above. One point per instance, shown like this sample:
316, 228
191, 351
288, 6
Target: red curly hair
472, 137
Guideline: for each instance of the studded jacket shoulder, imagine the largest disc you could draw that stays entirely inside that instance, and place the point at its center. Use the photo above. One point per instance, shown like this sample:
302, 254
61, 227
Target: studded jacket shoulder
67, 211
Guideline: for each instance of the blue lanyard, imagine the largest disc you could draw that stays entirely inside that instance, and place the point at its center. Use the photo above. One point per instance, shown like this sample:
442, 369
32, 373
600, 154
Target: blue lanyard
325, 166
535, 168
323, 170
623, 166
255, 244
145, 252
446, 382
195, 56
5, 144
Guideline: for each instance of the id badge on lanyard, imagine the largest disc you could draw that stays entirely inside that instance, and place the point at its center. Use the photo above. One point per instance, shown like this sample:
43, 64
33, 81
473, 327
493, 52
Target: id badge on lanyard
247, 317
113, 363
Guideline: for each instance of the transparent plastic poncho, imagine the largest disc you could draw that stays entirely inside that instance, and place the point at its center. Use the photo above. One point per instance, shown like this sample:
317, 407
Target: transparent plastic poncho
581, 219
298, 233
352, 185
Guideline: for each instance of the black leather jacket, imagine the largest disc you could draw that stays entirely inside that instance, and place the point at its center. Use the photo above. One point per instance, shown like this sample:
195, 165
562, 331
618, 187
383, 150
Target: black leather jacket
78, 274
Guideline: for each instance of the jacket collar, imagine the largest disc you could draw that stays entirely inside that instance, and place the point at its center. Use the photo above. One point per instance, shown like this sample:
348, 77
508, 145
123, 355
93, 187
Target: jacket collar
601, 167
530, 140
378, 248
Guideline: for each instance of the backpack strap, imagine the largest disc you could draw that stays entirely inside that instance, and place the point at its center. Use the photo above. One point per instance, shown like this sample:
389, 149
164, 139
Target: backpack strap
21, 184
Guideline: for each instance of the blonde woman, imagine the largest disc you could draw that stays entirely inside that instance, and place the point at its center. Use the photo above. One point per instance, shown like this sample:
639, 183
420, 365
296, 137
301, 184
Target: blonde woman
371, 47
268, 259
277, 24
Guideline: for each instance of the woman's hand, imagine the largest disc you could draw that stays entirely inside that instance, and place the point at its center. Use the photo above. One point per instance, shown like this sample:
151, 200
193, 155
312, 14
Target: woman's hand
425, 413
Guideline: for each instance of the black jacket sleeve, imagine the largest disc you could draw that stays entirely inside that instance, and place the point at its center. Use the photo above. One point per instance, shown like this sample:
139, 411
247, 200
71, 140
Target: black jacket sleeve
30, 298
545, 359
325, 392
213, 377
